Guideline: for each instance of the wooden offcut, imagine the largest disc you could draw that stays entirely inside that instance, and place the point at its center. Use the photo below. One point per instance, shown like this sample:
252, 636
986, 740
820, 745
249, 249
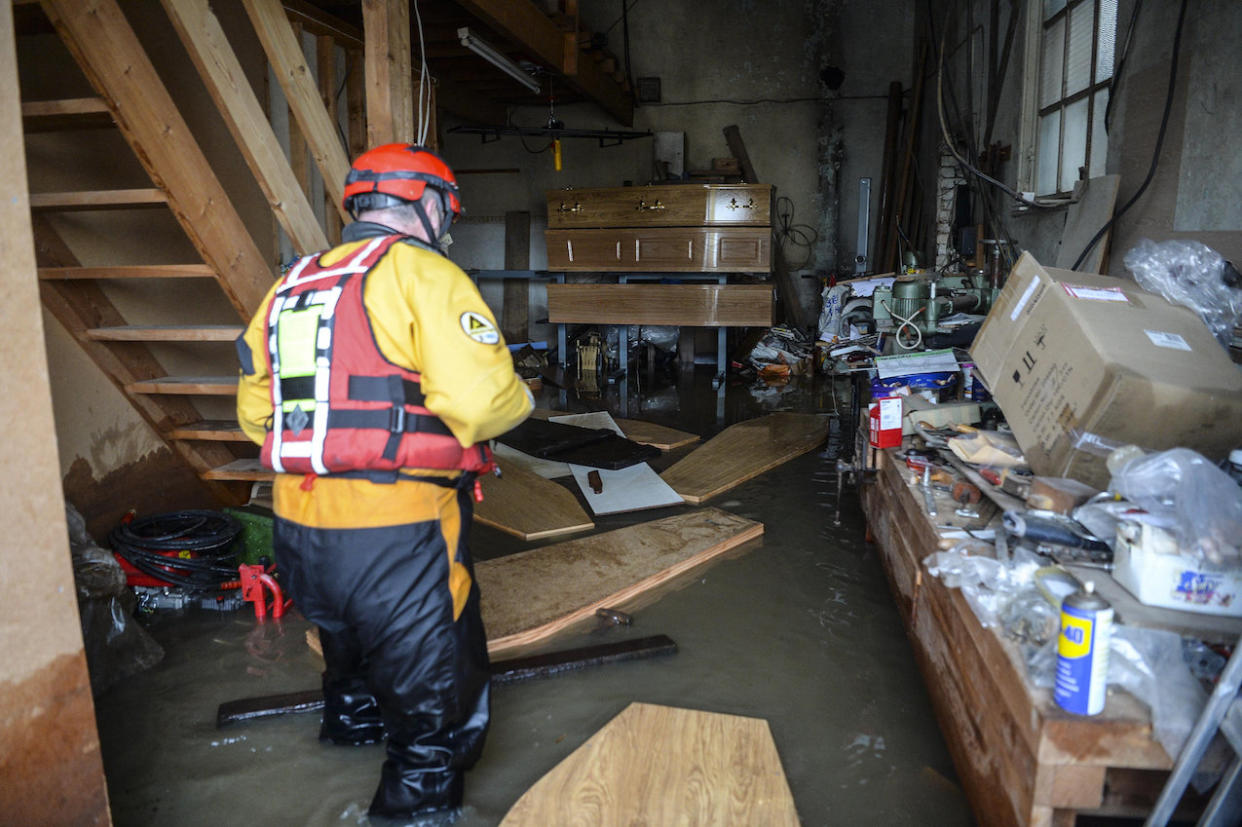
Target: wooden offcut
663, 765
528, 506
696, 305
743, 451
531, 596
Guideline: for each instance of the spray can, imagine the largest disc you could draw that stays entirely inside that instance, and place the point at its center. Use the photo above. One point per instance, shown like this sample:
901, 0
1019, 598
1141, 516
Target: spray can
1082, 652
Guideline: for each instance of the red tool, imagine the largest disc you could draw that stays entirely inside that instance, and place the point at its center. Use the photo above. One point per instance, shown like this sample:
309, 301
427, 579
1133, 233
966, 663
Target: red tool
254, 580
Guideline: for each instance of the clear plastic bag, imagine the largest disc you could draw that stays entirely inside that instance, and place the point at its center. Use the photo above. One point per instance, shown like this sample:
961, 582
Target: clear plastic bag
1199, 501
664, 337
988, 584
1191, 274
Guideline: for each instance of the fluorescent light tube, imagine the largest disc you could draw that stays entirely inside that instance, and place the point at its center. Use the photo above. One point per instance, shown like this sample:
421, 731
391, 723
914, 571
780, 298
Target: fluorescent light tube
489, 53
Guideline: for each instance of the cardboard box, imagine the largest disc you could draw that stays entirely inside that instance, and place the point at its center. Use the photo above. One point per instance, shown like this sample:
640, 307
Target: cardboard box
1066, 352
1152, 568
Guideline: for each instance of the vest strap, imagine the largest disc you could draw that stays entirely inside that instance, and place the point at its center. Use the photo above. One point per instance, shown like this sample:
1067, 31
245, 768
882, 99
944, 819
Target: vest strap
385, 389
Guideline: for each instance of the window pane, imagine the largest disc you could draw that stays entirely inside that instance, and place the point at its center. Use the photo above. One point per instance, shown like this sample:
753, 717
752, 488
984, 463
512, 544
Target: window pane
1106, 40
1078, 61
1099, 139
1048, 151
1050, 64
1074, 146
1051, 7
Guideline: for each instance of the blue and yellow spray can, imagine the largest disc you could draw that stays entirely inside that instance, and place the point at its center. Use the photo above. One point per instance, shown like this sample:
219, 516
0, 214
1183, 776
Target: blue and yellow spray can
1082, 652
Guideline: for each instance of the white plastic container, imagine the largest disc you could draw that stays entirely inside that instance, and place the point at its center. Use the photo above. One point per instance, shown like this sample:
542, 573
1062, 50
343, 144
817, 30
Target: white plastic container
1148, 562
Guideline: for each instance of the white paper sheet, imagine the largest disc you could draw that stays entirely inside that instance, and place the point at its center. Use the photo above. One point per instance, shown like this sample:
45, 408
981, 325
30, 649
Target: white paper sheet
597, 419
627, 489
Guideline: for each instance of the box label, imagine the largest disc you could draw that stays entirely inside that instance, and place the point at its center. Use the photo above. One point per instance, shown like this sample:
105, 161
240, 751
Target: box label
1161, 338
1096, 294
1026, 297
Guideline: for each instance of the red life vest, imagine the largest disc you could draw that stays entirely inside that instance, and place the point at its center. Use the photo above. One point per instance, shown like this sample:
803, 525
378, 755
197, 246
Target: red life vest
338, 405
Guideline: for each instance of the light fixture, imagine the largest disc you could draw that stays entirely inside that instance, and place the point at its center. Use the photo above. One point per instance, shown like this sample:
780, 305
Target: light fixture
489, 53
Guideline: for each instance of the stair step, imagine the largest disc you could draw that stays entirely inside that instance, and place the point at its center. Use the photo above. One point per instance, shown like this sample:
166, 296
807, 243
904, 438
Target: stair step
188, 385
166, 333
71, 113
97, 200
250, 470
214, 430
144, 271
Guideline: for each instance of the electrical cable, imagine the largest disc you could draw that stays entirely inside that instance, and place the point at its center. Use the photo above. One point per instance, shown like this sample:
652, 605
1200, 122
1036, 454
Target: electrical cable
799, 235
203, 541
631, 4
905, 322
1155, 156
424, 81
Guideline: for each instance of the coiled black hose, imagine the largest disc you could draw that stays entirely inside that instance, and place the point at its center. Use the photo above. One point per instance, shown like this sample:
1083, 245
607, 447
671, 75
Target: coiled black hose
207, 535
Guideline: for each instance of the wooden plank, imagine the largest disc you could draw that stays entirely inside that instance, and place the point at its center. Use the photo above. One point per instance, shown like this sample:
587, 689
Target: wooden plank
325, 65
81, 305
51, 761
299, 162
696, 305
186, 385
70, 113
226, 82
210, 430
515, 312
284, 52
1083, 220
528, 506
322, 24
530, 596
105, 46
166, 333
662, 765
243, 470
356, 101
389, 75
98, 200
144, 271
744, 451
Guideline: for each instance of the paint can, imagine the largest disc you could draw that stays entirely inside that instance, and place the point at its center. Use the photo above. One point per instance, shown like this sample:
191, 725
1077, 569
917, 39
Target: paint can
1082, 652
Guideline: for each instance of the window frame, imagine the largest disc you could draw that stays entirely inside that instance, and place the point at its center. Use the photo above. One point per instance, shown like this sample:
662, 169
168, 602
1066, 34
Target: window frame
1032, 112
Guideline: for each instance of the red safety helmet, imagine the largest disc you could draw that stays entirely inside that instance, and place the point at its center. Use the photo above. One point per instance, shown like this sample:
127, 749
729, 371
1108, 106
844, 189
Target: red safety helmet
395, 174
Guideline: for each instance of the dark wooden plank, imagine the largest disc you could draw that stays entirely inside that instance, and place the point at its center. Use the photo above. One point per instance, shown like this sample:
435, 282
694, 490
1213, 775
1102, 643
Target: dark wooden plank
515, 312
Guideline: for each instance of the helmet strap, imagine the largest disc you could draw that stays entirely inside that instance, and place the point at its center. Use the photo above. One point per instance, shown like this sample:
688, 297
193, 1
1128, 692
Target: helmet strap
433, 236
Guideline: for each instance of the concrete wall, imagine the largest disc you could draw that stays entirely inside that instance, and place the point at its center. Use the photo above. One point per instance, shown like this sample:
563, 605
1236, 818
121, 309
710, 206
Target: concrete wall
1195, 191
707, 55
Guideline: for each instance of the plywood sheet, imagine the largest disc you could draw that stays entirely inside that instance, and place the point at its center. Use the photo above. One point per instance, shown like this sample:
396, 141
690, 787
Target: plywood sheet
662, 765
744, 451
530, 596
528, 506
636, 488
635, 430
1083, 220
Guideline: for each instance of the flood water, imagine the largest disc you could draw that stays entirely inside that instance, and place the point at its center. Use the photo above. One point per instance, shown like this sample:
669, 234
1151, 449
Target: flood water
798, 629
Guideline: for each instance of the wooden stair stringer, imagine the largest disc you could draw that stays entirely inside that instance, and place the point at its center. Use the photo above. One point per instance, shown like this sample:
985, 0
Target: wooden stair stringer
110, 55
80, 306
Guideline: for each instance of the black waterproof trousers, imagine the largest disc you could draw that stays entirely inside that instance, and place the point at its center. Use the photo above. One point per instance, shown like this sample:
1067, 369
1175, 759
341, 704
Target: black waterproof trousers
381, 599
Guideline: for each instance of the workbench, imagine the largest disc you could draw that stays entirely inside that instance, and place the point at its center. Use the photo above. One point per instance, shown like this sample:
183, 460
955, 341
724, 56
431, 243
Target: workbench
1019, 757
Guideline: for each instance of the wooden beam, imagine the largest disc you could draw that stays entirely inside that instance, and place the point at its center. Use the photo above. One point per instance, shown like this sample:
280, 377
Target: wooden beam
390, 98
165, 333
696, 305
245, 470
185, 386
143, 271
525, 24
226, 82
325, 63
356, 100
53, 772
299, 163
211, 430
97, 200
284, 52
321, 24
109, 53
71, 113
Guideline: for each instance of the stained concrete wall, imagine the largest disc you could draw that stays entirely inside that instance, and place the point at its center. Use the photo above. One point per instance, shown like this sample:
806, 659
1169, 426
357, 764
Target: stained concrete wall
1195, 191
709, 57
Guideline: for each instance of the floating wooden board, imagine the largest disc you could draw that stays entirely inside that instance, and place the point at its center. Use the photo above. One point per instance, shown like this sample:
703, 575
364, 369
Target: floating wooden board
636, 488
528, 506
743, 451
636, 430
530, 596
662, 765
698, 305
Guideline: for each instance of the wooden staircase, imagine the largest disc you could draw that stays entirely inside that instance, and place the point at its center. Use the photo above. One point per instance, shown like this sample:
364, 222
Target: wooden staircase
133, 99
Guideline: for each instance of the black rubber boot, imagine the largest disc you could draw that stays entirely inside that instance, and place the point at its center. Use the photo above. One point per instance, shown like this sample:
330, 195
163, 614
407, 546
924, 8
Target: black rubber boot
409, 791
351, 715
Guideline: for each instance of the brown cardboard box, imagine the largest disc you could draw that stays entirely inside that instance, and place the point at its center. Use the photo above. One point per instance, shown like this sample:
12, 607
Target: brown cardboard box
1066, 352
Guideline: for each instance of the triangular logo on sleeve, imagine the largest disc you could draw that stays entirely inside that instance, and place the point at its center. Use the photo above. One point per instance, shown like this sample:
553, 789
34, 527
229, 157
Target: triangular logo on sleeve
480, 328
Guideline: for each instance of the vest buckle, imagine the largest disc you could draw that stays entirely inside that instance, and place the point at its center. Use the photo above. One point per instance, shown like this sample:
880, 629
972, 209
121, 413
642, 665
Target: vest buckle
396, 419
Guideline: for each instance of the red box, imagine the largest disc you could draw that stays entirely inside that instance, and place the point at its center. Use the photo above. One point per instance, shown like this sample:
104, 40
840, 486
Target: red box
885, 420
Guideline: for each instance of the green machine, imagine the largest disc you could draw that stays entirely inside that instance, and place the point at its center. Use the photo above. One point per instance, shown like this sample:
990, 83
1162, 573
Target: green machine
917, 303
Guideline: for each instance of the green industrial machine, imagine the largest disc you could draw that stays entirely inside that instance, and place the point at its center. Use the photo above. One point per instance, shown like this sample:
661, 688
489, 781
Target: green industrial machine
918, 302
